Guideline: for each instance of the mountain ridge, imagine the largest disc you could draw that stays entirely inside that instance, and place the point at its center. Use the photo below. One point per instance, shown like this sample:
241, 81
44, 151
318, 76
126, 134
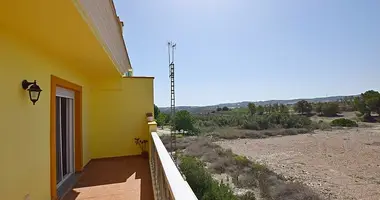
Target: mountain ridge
245, 103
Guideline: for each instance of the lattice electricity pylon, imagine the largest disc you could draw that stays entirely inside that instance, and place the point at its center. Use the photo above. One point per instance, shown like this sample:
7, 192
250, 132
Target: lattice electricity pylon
173, 142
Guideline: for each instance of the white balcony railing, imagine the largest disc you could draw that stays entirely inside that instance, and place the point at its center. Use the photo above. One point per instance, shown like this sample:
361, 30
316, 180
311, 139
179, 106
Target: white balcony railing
168, 183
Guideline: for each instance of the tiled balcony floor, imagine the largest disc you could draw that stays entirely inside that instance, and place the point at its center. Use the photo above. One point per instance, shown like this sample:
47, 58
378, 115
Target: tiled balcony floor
122, 178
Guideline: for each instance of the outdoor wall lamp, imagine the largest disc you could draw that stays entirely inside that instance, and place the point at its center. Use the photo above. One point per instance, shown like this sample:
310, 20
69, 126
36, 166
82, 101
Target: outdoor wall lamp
34, 90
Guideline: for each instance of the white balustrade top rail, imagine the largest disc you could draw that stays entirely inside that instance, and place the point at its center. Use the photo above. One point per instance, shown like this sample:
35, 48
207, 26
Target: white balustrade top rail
178, 186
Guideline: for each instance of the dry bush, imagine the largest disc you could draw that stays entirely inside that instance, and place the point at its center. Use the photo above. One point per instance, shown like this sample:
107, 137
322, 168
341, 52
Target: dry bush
253, 134
248, 174
182, 142
200, 147
294, 191
248, 196
220, 165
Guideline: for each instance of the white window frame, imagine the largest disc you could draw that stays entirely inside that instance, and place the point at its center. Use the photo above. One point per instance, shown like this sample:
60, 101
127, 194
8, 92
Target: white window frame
70, 105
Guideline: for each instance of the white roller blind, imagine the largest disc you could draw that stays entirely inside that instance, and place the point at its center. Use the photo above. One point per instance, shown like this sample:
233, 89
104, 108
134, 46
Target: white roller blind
62, 92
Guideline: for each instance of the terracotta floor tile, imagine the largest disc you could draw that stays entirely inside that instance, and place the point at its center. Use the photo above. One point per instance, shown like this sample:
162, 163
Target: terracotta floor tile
122, 178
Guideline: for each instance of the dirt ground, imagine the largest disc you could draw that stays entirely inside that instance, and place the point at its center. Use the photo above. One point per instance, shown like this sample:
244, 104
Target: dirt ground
338, 164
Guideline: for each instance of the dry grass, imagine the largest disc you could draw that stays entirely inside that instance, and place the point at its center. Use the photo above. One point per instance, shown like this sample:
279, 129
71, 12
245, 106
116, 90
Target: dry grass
235, 133
182, 142
327, 161
244, 173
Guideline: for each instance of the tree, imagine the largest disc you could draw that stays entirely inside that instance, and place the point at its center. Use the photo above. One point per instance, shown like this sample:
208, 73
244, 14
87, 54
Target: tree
260, 110
219, 109
252, 108
156, 111
318, 107
162, 119
268, 108
330, 109
283, 108
368, 102
168, 118
303, 107
347, 103
225, 108
184, 121
276, 107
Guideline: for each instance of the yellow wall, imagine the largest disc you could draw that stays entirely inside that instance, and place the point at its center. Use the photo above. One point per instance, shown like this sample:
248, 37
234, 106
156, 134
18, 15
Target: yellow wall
25, 128
113, 115
119, 116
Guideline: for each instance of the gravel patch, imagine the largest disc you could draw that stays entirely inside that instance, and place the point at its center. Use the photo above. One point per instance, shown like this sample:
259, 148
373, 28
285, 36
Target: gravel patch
339, 164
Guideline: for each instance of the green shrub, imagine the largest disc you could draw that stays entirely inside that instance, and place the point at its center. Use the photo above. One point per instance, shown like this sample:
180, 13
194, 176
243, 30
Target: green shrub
276, 120
252, 125
185, 121
218, 191
201, 182
344, 122
241, 161
330, 109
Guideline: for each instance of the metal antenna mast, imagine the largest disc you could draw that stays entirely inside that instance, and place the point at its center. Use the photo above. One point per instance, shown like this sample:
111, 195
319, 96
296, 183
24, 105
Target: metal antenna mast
173, 142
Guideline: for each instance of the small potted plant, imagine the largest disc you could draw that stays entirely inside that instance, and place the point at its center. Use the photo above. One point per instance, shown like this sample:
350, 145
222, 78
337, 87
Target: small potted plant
149, 117
143, 147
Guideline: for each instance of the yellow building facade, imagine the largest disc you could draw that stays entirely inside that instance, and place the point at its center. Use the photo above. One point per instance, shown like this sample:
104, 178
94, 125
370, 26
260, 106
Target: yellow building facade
58, 44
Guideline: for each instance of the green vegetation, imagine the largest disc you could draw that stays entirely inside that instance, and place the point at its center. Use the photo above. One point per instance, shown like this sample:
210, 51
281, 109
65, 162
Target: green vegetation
240, 171
274, 116
328, 109
260, 110
156, 111
368, 103
276, 120
344, 122
254, 117
185, 121
163, 119
347, 104
303, 107
233, 133
199, 156
252, 108
225, 108
201, 181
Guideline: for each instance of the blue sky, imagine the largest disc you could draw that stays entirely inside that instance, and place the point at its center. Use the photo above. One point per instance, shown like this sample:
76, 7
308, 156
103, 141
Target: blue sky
238, 50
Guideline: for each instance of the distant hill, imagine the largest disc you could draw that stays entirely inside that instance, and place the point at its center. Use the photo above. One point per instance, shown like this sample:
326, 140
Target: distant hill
196, 109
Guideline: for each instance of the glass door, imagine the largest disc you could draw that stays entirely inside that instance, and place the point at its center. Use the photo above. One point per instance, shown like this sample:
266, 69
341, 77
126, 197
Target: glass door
64, 135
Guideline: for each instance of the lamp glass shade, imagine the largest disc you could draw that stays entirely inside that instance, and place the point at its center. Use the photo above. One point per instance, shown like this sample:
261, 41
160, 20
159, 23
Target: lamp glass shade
34, 93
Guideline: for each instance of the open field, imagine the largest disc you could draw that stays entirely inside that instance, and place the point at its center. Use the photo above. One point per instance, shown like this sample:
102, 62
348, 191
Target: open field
338, 164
